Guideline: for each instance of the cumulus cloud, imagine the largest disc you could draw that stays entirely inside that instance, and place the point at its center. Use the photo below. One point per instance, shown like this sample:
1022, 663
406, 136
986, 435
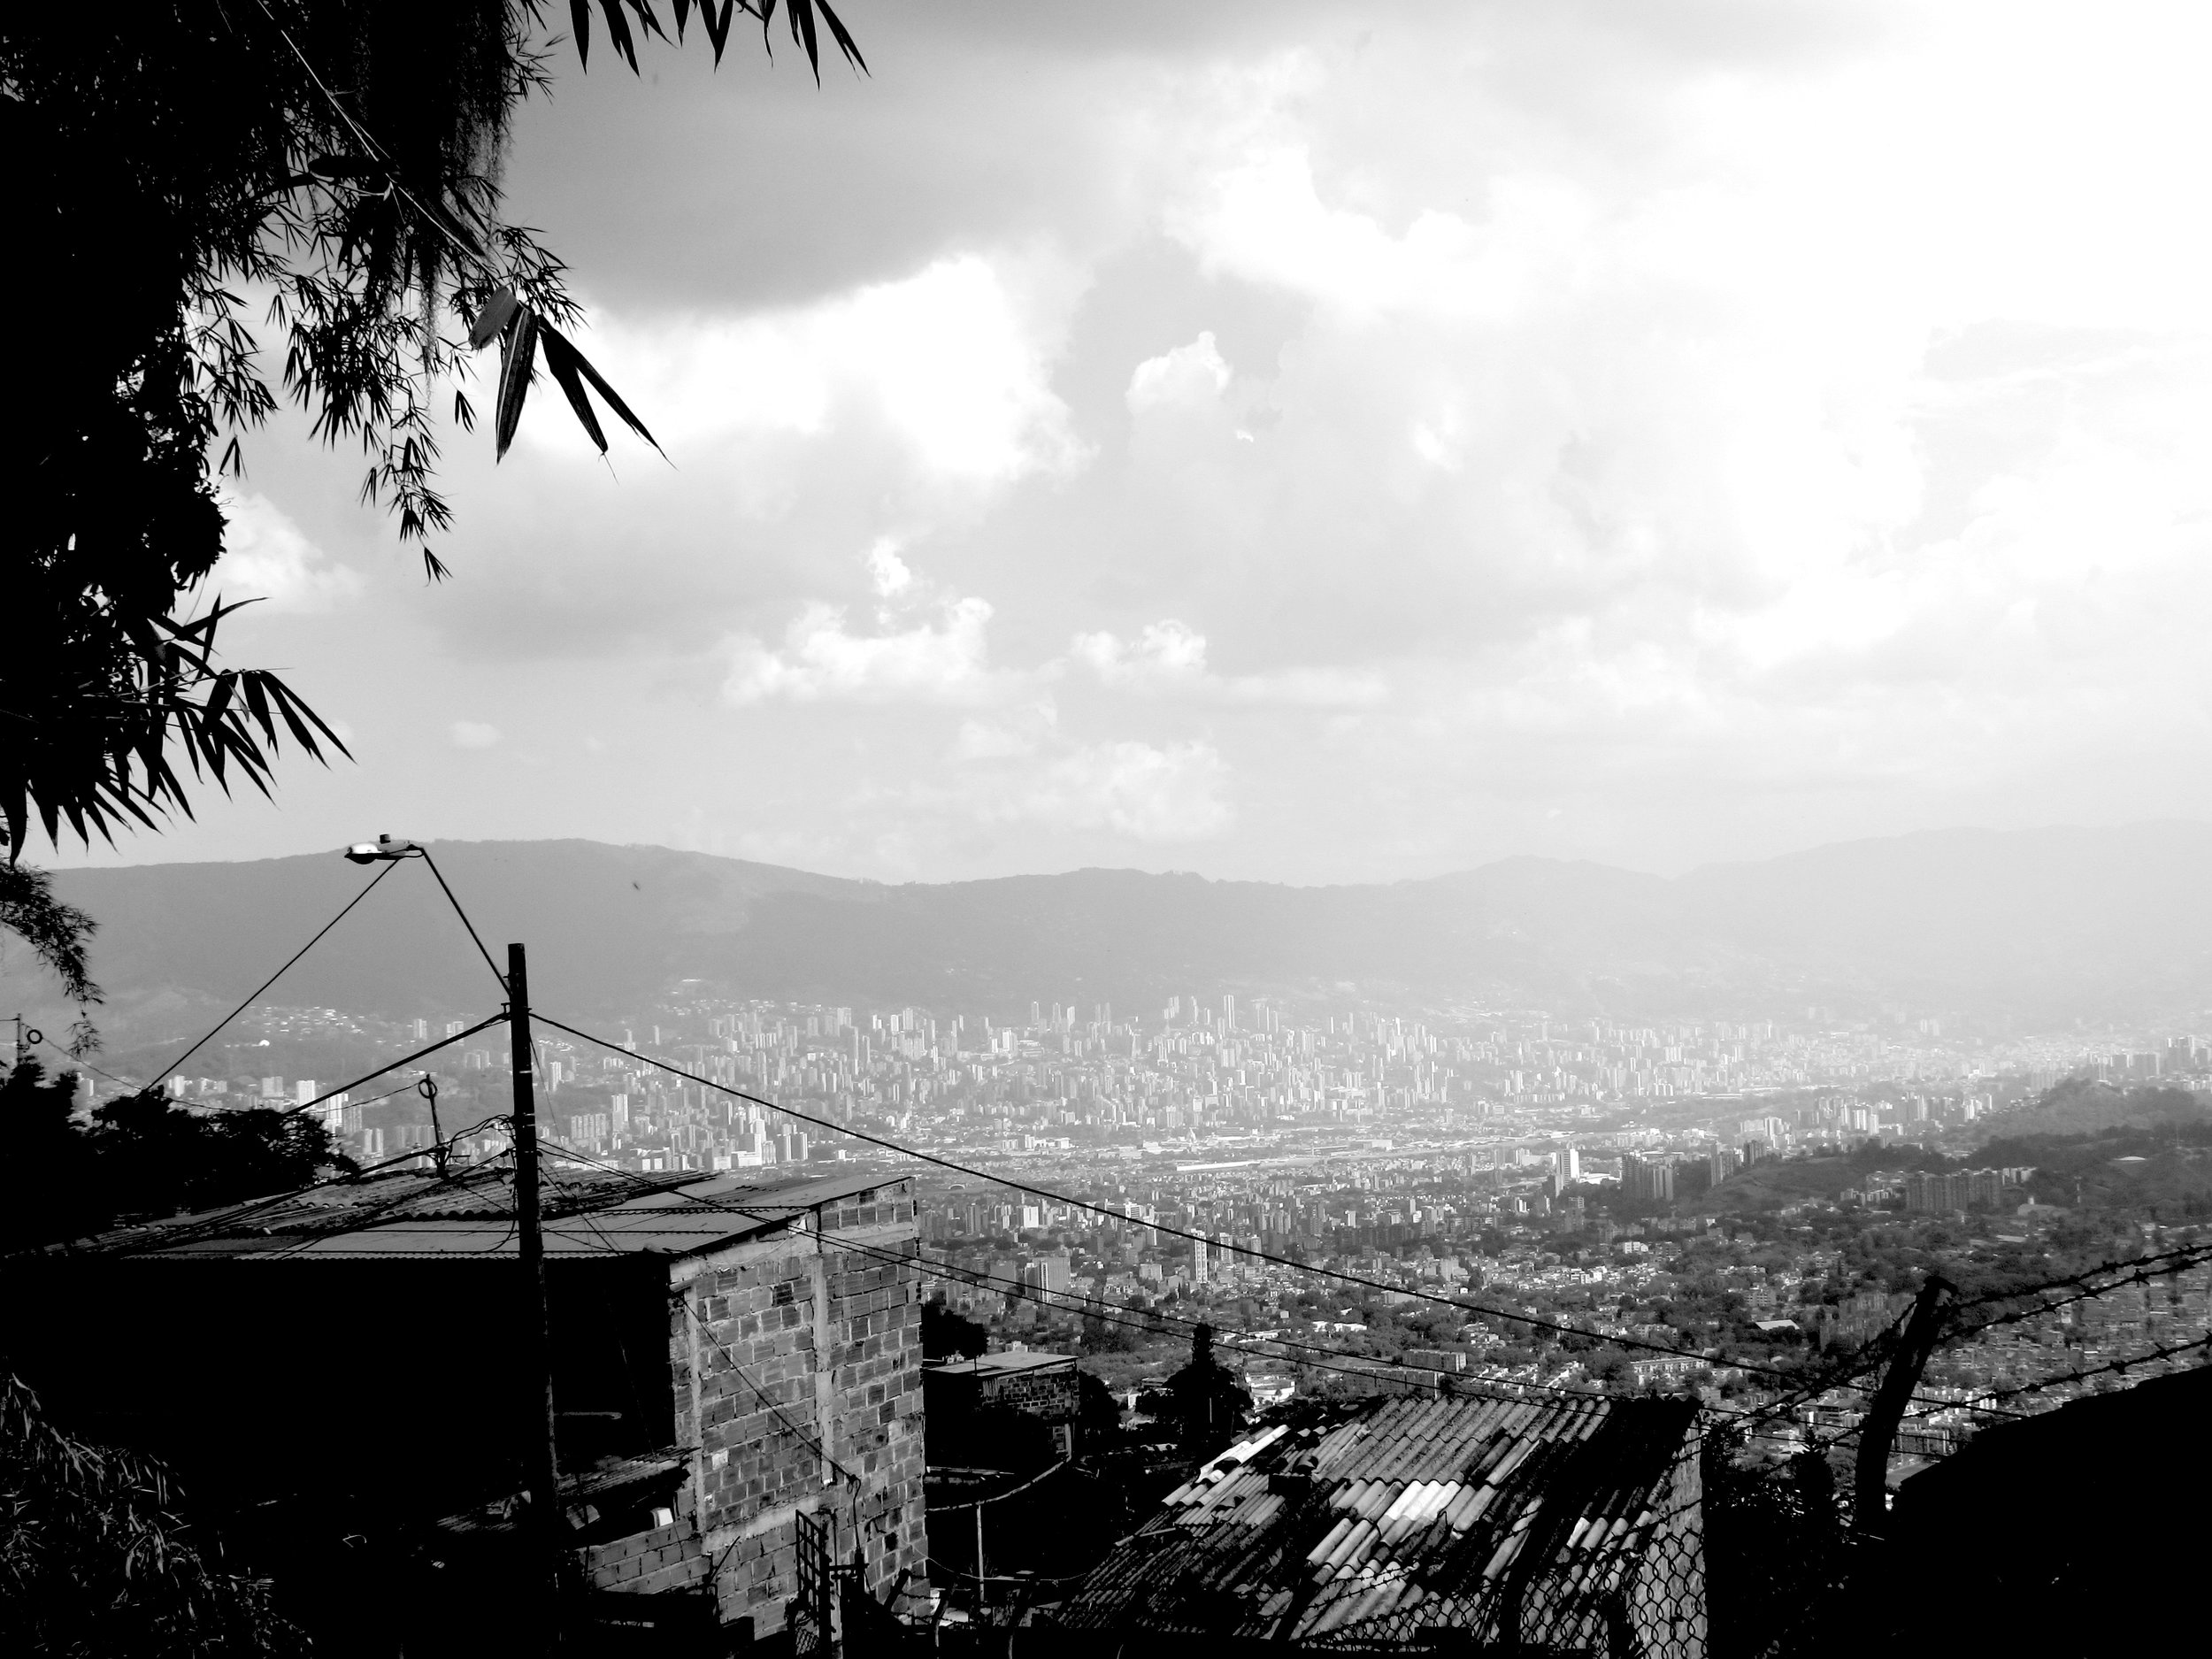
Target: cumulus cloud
1170, 794
887, 571
1194, 373
822, 660
1168, 658
266, 555
1144, 792
953, 361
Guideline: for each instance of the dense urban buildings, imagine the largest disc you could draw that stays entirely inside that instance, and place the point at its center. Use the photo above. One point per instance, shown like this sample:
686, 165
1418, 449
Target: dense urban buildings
1362, 1199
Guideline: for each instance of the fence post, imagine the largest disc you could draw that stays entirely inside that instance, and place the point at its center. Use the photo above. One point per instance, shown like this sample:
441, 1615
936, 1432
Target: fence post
1879, 1427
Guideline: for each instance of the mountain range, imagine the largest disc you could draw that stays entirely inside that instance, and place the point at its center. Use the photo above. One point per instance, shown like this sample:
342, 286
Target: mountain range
2033, 925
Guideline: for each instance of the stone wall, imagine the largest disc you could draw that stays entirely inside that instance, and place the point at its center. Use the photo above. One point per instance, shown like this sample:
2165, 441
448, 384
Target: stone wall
785, 1348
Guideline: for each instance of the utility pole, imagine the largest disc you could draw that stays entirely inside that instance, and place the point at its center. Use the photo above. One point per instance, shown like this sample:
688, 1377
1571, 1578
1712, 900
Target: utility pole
1879, 1427
545, 1520
982, 1584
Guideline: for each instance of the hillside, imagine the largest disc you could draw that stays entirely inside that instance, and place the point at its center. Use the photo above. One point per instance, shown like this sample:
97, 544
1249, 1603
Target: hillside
2035, 926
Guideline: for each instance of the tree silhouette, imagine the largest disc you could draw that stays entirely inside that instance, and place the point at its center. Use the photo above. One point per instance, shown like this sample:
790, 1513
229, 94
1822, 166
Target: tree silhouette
1207, 1401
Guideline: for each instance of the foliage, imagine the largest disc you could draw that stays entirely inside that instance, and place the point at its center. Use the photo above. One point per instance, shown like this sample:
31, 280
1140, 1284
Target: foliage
1205, 1399
93, 1559
140, 1157
2080, 1105
57, 933
948, 1335
340, 160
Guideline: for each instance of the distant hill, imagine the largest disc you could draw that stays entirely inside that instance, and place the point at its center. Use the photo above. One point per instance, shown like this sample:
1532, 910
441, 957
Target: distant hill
2038, 925
2086, 1106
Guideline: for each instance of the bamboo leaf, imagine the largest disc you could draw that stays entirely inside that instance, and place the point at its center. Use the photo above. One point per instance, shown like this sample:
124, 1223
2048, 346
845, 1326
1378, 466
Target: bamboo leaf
258, 699
803, 24
619, 32
492, 320
514, 377
843, 37
219, 699
716, 23
561, 358
613, 398
579, 19
434, 568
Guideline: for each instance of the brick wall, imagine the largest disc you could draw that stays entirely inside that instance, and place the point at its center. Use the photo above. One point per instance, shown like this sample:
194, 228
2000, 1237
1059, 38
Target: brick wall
671, 1557
783, 1346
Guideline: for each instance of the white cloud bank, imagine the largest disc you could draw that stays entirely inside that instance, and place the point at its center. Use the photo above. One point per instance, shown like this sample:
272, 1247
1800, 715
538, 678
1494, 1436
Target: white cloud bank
269, 557
954, 362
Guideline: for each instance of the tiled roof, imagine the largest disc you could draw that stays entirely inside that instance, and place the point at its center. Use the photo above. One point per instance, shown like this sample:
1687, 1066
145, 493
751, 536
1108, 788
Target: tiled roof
1403, 1519
472, 1215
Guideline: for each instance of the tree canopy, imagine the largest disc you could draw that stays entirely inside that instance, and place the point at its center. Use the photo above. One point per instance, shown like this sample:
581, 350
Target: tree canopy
174, 167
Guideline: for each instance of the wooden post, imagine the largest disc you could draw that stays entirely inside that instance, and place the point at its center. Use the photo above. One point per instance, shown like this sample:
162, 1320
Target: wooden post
546, 1520
1879, 1427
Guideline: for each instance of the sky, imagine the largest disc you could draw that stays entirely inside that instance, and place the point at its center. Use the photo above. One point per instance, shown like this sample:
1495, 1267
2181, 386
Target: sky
1310, 443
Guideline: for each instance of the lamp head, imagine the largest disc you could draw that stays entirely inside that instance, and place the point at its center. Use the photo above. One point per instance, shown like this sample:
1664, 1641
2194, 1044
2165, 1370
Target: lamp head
383, 849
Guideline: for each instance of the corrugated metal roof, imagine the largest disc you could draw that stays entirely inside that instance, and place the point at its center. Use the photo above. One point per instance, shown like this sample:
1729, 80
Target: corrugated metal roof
1406, 1518
416, 1215
999, 1365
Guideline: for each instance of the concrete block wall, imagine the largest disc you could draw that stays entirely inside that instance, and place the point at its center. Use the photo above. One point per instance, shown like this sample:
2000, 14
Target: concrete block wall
671, 1557
786, 1346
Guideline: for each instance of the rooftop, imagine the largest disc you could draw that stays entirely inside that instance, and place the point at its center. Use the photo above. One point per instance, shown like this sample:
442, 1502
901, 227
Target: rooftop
471, 1215
1394, 1522
999, 1365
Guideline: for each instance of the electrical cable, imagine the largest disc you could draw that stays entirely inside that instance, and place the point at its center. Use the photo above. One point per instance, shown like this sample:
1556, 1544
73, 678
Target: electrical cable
78, 1060
405, 1059
1111, 1314
274, 978
213, 1224
820, 1450
1106, 1312
463, 915
1096, 1209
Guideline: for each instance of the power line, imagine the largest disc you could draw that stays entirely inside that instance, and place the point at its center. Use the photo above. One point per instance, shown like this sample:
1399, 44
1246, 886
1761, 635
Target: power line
1109, 1313
1112, 1314
405, 1059
463, 915
274, 978
1096, 1209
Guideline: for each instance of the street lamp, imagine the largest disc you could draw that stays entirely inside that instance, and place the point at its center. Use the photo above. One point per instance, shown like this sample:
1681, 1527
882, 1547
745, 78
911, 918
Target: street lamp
383, 849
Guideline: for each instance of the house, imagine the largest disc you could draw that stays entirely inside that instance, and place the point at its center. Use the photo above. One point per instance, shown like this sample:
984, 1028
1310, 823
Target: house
338, 1375
2102, 1491
1013, 1410
1557, 1523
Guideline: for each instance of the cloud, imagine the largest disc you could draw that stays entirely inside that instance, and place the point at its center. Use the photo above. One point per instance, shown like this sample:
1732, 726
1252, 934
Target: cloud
1170, 794
1016, 735
823, 661
887, 570
473, 735
266, 555
1194, 373
951, 362
1169, 659
1148, 792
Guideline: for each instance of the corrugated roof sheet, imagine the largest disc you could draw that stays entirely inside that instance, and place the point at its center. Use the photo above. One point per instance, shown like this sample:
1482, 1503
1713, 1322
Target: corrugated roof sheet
1407, 1518
413, 1214
999, 1365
